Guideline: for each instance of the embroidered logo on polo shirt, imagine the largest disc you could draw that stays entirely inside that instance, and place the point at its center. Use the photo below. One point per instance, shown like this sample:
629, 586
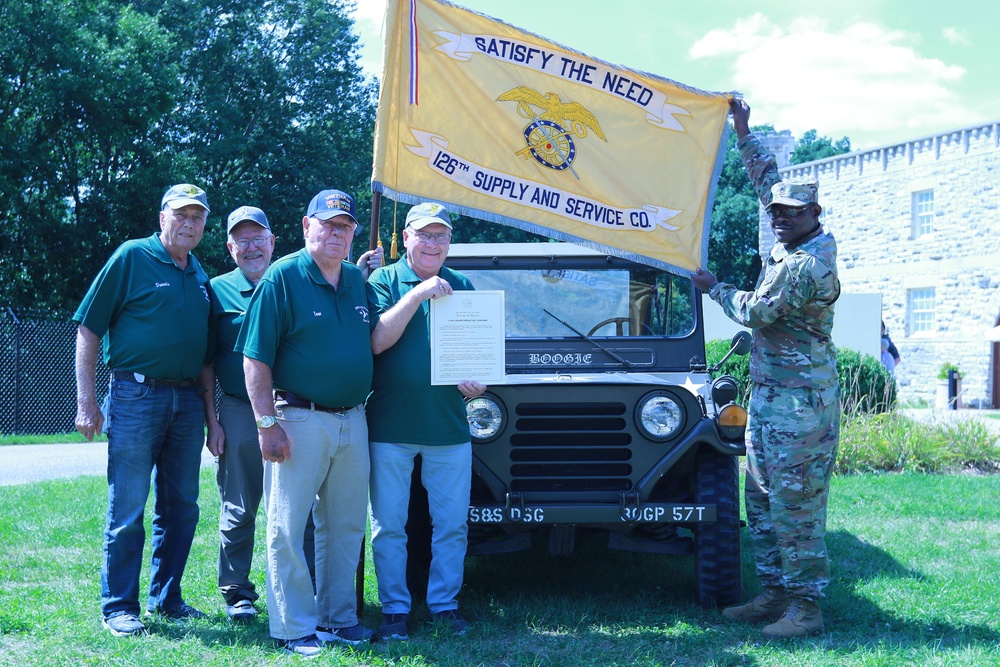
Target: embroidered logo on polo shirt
162, 284
204, 291
363, 311
317, 313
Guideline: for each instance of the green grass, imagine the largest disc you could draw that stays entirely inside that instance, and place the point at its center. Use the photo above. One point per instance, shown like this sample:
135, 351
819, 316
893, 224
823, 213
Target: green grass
53, 439
914, 561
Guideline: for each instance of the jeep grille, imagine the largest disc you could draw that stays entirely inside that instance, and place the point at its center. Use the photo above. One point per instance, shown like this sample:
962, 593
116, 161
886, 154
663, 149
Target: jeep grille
570, 447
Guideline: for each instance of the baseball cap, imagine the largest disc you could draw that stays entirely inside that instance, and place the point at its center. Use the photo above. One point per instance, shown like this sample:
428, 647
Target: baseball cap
331, 203
428, 213
794, 194
247, 214
185, 194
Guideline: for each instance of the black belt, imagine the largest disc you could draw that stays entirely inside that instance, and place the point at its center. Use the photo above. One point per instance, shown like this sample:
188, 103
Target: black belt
152, 382
288, 399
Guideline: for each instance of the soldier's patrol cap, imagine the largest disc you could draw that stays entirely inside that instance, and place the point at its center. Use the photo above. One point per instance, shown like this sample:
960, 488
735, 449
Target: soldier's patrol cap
247, 214
794, 194
428, 213
185, 194
331, 203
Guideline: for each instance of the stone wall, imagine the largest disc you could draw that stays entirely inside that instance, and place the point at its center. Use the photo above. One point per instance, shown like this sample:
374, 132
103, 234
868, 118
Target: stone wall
867, 198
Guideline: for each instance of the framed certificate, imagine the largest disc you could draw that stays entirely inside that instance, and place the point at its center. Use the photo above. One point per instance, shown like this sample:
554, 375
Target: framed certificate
467, 337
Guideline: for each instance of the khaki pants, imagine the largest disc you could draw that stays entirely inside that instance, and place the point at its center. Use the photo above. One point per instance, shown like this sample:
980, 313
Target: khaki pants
328, 474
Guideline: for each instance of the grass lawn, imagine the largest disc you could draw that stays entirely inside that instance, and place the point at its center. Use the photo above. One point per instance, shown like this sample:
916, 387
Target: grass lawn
915, 561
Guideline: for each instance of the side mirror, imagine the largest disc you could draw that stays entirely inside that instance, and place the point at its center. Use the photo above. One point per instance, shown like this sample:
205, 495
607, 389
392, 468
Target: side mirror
740, 345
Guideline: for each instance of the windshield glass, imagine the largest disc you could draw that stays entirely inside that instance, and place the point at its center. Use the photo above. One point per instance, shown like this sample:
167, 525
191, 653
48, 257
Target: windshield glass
596, 302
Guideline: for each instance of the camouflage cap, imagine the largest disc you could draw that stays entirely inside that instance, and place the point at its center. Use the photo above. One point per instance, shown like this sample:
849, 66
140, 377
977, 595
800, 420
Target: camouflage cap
794, 194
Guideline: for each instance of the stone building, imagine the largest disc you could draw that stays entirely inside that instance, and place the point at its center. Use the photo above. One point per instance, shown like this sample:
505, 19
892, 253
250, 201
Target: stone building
919, 223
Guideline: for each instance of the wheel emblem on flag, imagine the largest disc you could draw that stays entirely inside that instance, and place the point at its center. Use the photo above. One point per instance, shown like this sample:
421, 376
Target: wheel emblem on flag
548, 141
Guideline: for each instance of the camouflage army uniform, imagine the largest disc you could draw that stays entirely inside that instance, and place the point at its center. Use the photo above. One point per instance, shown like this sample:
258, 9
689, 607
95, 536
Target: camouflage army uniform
794, 414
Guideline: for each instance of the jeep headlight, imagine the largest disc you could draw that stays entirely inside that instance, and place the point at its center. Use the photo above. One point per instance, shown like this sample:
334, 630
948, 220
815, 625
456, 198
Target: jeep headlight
486, 418
659, 415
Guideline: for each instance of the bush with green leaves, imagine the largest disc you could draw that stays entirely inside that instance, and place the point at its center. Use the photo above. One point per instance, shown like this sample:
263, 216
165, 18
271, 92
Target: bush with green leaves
866, 385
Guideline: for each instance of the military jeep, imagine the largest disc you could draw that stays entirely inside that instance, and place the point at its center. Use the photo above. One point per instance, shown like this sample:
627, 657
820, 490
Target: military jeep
609, 419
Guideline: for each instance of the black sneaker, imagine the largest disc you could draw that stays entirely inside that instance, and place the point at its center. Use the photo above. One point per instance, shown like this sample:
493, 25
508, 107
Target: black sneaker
181, 612
124, 625
453, 619
394, 627
354, 635
241, 611
306, 647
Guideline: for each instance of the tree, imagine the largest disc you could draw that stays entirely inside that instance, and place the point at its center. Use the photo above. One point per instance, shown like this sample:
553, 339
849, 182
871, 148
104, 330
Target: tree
732, 242
106, 103
812, 147
83, 86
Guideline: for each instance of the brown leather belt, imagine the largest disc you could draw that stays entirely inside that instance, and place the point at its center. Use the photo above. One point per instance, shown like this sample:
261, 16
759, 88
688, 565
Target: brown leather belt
287, 399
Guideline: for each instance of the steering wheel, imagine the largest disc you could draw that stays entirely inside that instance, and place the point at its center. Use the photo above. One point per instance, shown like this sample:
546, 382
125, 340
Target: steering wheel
619, 323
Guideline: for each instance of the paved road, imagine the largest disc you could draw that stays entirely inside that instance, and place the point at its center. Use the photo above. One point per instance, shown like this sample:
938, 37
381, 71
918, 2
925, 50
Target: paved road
23, 464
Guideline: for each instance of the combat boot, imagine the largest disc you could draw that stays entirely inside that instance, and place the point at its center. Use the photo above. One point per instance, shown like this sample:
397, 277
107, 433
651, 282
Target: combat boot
801, 619
768, 606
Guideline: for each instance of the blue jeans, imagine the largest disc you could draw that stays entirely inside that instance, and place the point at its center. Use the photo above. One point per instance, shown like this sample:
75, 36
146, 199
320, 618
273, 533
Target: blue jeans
446, 473
156, 431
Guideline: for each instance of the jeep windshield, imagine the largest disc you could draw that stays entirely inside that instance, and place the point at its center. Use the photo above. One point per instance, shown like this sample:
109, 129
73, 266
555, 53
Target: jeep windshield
569, 307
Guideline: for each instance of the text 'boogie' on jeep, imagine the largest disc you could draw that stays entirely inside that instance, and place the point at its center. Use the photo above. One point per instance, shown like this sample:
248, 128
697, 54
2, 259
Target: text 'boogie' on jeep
608, 418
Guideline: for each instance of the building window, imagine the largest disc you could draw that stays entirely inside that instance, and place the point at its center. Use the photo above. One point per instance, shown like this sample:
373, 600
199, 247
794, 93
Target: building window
922, 205
921, 305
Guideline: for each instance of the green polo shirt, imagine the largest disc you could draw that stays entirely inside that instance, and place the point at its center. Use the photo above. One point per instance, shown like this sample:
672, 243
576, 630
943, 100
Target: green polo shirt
231, 294
404, 407
153, 315
316, 340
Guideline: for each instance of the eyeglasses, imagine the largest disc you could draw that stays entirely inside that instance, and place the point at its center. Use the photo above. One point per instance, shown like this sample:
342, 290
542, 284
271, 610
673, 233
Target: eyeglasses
790, 213
440, 239
259, 241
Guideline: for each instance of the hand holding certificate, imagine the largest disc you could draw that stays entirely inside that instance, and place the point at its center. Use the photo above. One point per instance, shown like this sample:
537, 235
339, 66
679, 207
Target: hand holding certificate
467, 337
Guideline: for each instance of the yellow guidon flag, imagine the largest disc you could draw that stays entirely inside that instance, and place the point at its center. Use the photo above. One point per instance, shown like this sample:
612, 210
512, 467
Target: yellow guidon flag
510, 127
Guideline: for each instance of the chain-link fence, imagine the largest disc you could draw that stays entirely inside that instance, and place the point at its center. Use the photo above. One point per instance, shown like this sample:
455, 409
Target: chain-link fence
37, 376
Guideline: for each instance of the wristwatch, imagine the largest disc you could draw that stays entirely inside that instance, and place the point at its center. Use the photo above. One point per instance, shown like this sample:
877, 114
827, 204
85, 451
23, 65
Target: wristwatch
267, 421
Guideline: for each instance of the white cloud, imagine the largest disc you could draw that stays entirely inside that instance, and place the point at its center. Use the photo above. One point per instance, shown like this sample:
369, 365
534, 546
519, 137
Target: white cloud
368, 23
954, 35
863, 81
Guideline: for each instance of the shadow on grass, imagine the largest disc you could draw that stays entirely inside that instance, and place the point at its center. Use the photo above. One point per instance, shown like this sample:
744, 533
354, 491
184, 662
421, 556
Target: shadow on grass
601, 597
855, 563
597, 593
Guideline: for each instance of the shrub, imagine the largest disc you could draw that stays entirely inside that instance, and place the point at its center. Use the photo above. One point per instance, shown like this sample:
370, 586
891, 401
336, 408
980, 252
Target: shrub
865, 384
892, 442
945, 367
736, 366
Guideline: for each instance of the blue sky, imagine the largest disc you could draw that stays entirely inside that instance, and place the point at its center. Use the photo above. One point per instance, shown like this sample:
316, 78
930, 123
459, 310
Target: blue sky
876, 71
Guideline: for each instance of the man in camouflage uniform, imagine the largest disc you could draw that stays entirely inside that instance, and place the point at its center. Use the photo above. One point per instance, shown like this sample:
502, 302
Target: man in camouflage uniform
794, 415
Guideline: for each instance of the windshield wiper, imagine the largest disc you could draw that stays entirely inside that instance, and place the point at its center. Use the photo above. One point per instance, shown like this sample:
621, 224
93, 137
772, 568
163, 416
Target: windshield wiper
587, 338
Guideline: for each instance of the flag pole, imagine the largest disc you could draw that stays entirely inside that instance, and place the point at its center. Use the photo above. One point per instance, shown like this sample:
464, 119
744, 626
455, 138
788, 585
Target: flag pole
373, 231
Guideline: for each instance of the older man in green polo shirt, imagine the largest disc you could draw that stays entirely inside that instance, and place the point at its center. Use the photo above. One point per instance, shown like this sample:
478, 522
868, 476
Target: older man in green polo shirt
240, 472
150, 304
306, 337
435, 426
